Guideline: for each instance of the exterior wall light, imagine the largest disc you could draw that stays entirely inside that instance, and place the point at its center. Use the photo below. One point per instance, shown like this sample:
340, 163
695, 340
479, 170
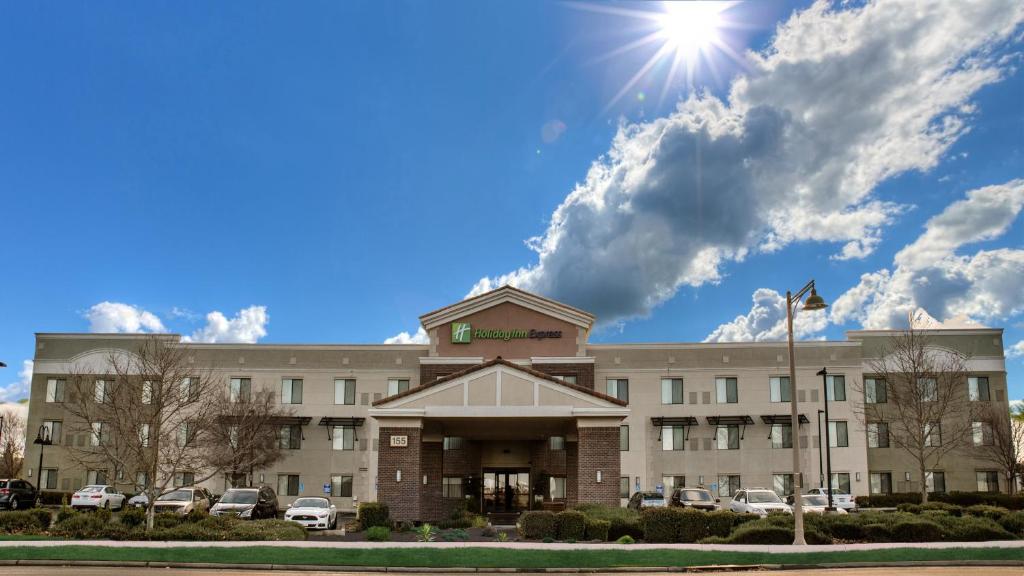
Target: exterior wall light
906, 476
599, 476
858, 476
424, 479
398, 475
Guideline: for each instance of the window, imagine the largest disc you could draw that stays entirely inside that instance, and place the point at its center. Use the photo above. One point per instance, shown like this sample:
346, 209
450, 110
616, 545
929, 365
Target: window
144, 435
291, 391
670, 483
878, 435
567, 378
55, 390
935, 481
781, 391
556, 488
623, 486
188, 389
624, 438
556, 443
48, 479
838, 432
782, 484
728, 437
618, 388
928, 388
184, 434
341, 485
96, 477
147, 392
397, 386
673, 437
291, 437
344, 438
288, 484
53, 429
728, 484
727, 390
880, 482
977, 389
933, 434
99, 434
233, 436
835, 387
841, 482
184, 479
100, 392
344, 391
782, 435
988, 481
671, 390
451, 487
875, 391
981, 433
141, 481
241, 389
453, 443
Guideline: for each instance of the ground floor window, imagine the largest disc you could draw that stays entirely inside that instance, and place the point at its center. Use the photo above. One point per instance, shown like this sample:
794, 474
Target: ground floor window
880, 482
728, 484
341, 485
988, 481
96, 477
935, 481
48, 479
624, 438
782, 484
672, 482
624, 487
557, 443
452, 487
453, 443
184, 479
556, 488
841, 482
288, 485
141, 481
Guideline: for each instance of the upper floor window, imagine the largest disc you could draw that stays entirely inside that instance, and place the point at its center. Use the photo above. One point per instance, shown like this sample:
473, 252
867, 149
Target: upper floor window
981, 434
782, 435
835, 387
671, 390
780, 389
728, 392
567, 378
839, 436
55, 390
728, 437
185, 434
875, 391
344, 391
933, 434
291, 391
241, 389
188, 389
144, 435
878, 435
344, 438
453, 443
624, 438
977, 388
556, 443
101, 391
397, 386
53, 430
98, 437
147, 392
673, 437
291, 437
928, 388
618, 388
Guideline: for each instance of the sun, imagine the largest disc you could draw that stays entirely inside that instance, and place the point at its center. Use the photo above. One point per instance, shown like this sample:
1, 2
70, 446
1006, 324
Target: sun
690, 27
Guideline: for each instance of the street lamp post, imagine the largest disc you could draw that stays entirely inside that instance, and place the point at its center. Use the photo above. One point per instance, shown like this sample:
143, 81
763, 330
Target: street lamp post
821, 459
828, 440
814, 302
43, 439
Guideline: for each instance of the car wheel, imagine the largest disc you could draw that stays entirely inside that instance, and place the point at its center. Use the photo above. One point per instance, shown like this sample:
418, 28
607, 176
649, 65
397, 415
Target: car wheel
333, 524
106, 505
14, 503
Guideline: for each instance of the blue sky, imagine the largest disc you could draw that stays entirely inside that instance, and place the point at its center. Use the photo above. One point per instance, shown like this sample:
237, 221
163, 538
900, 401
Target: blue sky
327, 172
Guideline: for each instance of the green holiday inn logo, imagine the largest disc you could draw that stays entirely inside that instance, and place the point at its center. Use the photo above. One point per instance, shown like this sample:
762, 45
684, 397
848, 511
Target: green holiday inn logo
461, 333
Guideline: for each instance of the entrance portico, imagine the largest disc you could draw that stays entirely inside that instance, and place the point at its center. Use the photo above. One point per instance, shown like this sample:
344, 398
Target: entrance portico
499, 436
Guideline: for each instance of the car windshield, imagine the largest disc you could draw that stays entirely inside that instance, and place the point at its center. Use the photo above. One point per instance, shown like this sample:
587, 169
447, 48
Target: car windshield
92, 489
311, 503
763, 497
176, 495
695, 496
239, 497
815, 500
653, 496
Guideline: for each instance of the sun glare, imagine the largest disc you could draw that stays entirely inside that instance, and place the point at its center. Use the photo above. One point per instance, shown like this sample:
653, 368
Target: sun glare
690, 27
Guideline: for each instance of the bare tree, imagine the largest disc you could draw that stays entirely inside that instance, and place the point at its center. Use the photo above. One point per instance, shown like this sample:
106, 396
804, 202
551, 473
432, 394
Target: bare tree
1002, 441
246, 436
12, 443
925, 408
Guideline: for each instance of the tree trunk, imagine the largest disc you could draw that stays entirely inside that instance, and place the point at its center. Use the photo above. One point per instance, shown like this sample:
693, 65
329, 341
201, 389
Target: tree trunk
924, 484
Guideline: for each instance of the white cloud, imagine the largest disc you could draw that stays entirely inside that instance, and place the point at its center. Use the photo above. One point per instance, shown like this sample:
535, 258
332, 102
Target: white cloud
118, 317
420, 337
767, 321
1016, 351
928, 273
842, 100
249, 325
20, 389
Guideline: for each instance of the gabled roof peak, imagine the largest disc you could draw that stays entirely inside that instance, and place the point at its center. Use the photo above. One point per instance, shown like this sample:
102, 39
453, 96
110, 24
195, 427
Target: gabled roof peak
512, 295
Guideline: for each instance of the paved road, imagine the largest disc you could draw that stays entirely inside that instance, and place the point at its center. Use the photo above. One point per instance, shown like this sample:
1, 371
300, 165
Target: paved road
102, 571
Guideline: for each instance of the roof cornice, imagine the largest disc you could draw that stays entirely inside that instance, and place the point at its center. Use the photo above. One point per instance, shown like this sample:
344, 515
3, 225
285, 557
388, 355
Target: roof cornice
511, 295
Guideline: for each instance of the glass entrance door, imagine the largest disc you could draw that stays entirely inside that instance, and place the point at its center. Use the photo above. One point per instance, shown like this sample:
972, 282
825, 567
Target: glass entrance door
506, 490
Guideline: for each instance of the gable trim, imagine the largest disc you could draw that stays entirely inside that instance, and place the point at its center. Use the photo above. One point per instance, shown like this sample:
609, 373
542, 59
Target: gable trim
512, 295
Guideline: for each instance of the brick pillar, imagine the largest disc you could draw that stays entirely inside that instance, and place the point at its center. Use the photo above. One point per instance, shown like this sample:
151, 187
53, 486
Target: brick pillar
402, 497
431, 503
598, 450
571, 473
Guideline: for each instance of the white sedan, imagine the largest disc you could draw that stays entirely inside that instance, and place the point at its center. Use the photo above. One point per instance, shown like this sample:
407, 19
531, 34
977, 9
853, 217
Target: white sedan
840, 499
815, 504
313, 513
98, 496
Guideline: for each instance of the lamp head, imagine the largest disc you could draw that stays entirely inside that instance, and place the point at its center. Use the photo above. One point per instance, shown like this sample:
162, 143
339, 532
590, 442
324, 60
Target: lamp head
823, 372
815, 302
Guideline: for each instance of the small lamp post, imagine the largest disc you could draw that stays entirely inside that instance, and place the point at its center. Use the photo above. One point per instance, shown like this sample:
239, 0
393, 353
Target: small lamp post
828, 440
821, 459
43, 439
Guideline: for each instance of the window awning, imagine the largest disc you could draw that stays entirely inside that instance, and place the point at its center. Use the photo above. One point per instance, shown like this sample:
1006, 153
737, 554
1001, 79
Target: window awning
783, 419
728, 420
330, 422
674, 421
291, 420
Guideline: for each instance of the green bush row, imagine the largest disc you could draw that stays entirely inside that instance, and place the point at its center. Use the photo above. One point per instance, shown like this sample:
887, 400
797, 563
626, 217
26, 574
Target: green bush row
963, 499
670, 525
373, 514
568, 525
174, 527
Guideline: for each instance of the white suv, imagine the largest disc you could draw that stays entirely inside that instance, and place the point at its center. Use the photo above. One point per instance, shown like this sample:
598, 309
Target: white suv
840, 499
758, 501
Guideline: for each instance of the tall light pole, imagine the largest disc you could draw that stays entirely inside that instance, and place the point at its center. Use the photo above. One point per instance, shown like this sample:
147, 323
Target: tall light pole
43, 439
814, 302
821, 459
828, 439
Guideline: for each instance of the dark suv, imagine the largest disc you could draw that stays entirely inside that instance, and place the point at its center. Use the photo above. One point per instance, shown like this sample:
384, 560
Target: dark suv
248, 503
15, 494
696, 498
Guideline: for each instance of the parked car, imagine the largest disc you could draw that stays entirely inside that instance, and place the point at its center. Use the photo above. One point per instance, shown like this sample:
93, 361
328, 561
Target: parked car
840, 499
98, 496
140, 500
642, 500
183, 500
758, 501
248, 503
314, 512
696, 498
16, 493
813, 503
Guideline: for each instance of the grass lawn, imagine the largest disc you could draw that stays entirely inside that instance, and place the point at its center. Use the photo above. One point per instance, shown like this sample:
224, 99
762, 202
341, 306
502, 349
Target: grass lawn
492, 557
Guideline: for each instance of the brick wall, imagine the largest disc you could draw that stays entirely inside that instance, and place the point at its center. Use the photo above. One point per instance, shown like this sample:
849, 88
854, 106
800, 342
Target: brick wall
431, 504
462, 463
584, 372
402, 497
572, 462
598, 449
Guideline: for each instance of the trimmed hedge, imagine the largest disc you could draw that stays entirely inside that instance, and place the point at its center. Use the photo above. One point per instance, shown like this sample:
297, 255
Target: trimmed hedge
210, 528
963, 499
598, 529
1013, 522
374, 514
133, 517
977, 529
571, 525
623, 521
538, 525
378, 534
33, 521
54, 498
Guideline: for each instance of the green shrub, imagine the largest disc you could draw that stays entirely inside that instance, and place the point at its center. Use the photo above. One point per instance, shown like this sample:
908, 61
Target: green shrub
625, 539
374, 514
720, 522
1013, 522
258, 530
42, 516
693, 525
20, 522
378, 534
133, 517
625, 527
81, 526
538, 524
888, 500
661, 525
951, 509
103, 514
54, 498
839, 526
761, 534
909, 508
570, 525
65, 512
976, 529
167, 520
195, 515
986, 511
739, 519
966, 499
877, 533
489, 532
464, 521
598, 529
917, 531
714, 540
404, 526
426, 533
455, 535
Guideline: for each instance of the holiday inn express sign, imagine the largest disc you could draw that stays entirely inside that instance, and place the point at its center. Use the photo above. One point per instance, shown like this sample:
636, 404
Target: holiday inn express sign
463, 333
